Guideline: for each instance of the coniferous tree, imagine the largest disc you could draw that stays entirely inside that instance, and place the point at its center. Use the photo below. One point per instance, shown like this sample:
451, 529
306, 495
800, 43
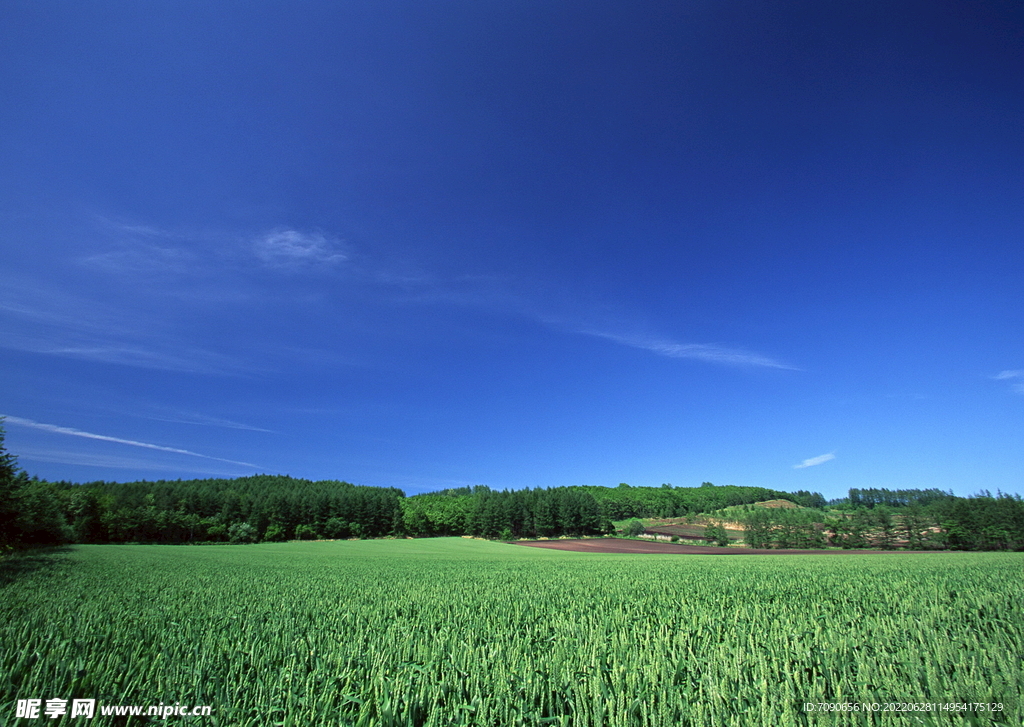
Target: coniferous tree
8, 486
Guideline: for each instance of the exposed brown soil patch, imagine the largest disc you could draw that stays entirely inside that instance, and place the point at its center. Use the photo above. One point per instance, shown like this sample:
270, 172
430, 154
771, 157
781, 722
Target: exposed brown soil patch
616, 545
785, 504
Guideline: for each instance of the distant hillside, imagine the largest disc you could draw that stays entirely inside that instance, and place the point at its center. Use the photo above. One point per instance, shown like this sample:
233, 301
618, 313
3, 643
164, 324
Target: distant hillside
576, 510
666, 501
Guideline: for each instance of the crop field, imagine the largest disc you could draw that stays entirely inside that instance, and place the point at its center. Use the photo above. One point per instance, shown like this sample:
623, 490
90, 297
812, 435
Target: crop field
464, 632
657, 547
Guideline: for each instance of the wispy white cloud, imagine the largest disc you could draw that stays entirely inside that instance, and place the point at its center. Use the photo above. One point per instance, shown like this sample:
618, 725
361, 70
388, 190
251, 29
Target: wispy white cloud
55, 322
200, 264
820, 459
137, 295
123, 227
195, 361
709, 352
161, 357
205, 421
141, 255
147, 247
1014, 375
291, 248
52, 311
54, 429
144, 248
85, 459
143, 258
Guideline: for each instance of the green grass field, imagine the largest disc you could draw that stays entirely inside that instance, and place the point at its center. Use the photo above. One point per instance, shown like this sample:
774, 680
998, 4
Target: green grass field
465, 632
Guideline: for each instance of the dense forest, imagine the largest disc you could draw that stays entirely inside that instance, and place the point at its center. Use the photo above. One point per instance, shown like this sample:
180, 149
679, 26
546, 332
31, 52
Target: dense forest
871, 497
246, 509
272, 508
277, 507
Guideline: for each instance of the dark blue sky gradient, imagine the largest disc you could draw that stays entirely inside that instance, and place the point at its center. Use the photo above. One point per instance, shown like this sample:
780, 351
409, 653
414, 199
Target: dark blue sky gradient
515, 244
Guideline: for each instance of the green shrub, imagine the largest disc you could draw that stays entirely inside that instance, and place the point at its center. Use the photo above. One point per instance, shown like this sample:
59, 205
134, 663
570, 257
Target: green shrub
716, 534
242, 533
275, 534
336, 529
634, 528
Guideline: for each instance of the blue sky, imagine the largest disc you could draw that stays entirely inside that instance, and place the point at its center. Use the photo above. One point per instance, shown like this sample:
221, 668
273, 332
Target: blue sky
517, 244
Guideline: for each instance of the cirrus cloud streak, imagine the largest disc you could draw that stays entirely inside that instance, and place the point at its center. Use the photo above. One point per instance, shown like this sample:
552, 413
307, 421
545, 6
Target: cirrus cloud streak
708, 352
54, 429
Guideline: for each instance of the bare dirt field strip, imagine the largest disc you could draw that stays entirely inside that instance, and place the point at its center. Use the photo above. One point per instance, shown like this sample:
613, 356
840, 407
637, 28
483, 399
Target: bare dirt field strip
615, 545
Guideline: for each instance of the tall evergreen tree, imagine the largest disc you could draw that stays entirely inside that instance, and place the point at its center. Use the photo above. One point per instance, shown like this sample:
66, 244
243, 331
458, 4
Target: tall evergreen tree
8, 487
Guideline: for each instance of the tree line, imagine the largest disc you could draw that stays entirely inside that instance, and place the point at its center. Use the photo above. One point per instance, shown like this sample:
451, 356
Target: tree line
276, 507
507, 514
872, 496
246, 509
280, 507
910, 519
